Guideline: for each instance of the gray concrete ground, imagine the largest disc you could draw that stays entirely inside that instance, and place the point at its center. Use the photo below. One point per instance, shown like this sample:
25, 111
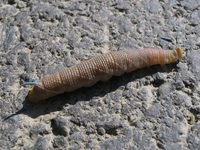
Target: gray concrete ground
153, 108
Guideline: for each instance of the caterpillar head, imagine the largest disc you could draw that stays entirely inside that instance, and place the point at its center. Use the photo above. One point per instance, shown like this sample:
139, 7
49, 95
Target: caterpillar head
179, 53
173, 56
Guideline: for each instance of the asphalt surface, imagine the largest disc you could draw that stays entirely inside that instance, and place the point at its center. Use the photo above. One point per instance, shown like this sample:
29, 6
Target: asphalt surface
152, 108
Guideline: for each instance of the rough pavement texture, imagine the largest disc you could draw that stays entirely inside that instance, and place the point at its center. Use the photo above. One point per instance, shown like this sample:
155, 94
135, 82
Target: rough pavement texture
153, 108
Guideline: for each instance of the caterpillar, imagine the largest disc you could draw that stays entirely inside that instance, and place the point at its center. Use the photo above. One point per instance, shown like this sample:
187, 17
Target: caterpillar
100, 68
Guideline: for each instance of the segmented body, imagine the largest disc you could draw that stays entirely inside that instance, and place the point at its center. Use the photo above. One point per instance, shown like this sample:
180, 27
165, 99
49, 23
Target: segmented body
100, 68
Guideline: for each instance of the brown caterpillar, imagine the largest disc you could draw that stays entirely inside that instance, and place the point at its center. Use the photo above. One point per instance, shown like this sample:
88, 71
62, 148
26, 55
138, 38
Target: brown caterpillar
100, 68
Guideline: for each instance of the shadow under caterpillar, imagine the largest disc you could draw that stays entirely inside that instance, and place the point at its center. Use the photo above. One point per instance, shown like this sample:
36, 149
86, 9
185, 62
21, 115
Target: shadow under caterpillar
100, 68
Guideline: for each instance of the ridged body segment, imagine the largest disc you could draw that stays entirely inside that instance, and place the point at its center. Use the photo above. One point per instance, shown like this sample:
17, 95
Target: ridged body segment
100, 68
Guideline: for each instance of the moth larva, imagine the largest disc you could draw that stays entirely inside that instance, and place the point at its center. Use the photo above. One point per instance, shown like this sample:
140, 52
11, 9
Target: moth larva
100, 68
